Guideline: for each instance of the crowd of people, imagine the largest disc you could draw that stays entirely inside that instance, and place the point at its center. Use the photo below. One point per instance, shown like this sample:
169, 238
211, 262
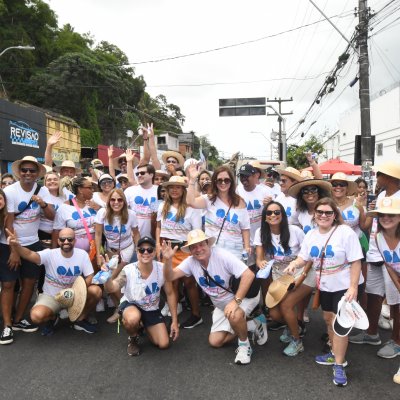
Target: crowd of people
254, 242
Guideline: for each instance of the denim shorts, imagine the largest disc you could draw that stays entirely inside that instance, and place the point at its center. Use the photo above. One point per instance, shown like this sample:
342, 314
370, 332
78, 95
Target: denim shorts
148, 318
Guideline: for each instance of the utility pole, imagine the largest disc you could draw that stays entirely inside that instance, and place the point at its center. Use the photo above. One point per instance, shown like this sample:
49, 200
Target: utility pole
282, 132
366, 139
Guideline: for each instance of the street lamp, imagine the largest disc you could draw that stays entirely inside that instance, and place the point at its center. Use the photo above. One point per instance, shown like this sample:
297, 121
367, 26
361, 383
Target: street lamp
269, 141
282, 139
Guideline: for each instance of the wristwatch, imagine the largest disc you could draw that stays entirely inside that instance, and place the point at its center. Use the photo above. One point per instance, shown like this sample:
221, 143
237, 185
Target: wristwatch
238, 301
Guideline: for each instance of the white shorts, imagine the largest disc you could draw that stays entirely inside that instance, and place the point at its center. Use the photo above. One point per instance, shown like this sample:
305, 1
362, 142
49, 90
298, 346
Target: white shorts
392, 293
49, 302
375, 281
221, 323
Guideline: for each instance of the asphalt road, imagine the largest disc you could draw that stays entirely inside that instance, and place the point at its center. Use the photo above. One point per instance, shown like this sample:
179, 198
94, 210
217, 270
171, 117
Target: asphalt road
75, 365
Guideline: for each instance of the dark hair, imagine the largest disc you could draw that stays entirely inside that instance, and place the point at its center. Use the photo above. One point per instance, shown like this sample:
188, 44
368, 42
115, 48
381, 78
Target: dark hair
77, 183
159, 188
361, 180
3, 211
328, 201
7, 175
266, 236
233, 196
302, 205
150, 170
382, 229
181, 170
203, 171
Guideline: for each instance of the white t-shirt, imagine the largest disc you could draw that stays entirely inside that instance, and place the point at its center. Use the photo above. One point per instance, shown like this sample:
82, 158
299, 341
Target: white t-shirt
45, 224
112, 232
61, 272
221, 266
178, 230
236, 220
343, 248
290, 205
144, 203
305, 221
26, 224
351, 217
97, 199
254, 205
68, 195
152, 284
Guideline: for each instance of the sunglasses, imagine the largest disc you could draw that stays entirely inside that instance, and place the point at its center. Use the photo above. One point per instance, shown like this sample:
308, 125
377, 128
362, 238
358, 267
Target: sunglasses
31, 170
106, 182
327, 213
172, 161
68, 239
143, 250
339, 184
141, 173
310, 190
225, 181
284, 181
119, 200
275, 212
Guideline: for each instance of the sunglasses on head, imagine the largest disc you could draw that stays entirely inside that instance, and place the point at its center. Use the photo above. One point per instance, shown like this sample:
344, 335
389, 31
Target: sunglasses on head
275, 212
119, 200
339, 184
143, 250
31, 170
322, 212
68, 239
225, 181
309, 190
141, 173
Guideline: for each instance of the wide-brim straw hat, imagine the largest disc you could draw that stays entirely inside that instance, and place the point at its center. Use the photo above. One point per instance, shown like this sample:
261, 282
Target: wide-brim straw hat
165, 174
295, 188
305, 174
351, 186
278, 289
173, 154
68, 164
389, 168
73, 298
387, 205
16, 165
123, 155
197, 236
290, 172
175, 181
259, 166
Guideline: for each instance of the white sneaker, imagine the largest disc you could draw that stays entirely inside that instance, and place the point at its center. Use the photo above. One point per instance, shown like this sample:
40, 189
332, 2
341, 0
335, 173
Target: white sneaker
165, 310
385, 312
100, 306
385, 323
63, 314
261, 332
306, 317
179, 309
110, 302
243, 355
396, 377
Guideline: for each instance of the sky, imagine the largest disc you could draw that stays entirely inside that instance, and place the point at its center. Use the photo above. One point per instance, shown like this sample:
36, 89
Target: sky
272, 57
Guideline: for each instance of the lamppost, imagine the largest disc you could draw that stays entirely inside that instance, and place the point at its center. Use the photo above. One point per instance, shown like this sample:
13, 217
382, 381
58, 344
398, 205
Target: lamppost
282, 139
272, 146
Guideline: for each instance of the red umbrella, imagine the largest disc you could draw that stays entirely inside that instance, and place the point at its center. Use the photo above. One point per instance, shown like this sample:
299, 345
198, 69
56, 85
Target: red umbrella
336, 165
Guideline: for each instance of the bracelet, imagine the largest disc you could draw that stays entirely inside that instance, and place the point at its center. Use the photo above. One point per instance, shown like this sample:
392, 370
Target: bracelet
46, 204
304, 273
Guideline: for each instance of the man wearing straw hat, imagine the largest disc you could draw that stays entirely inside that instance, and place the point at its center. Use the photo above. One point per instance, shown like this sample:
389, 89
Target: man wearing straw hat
64, 266
25, 201
212, 268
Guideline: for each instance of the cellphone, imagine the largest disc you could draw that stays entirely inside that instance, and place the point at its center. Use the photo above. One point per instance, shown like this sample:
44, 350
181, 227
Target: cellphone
370, 199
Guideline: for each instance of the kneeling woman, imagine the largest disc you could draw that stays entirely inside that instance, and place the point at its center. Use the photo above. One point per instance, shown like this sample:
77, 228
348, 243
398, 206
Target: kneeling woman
141, 283
279, 243
336, 254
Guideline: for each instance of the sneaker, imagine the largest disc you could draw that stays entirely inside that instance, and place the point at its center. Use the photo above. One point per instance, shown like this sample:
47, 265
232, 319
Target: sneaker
385, 311
100, 306
390, 350
276, 326
7, 336
243, 355
64, 314
114, 317
302, 329
339, 375
286, 337
133, 346
396, 377
165, 310
192, 321
364, 338
110, 302
261, 332
85, 326
306, 317
92, 319
328, 359
179, 310
48, 327
24, 326
384, 323
295, 347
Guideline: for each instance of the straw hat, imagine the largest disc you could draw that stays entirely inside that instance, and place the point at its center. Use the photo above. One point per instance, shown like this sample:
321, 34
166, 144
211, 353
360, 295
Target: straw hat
261, 169
73, 298
295, 189
278, 289
173, 154
351, 186
175, 181
96, 163
124, 176
68, 164
290, 172
48, 168
123, 155
197, 236
162, 173
305, 174
16, 165
387, 205
389, 168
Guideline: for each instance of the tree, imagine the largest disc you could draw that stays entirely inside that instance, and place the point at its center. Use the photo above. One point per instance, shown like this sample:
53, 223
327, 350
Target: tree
296, 154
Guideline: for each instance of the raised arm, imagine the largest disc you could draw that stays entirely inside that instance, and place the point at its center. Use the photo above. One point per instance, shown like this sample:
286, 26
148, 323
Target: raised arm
192, 200
152, 147
129, 166
110, 153
23, 252
314, 165
169, 273
54, 139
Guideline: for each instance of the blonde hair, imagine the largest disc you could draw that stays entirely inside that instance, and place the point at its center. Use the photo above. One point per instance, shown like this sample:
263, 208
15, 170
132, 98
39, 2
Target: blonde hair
168, 203
58, 176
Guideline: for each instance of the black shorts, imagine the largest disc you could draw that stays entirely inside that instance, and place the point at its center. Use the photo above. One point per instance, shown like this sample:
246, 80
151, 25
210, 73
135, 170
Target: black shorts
148, 318
330, 300
27, 270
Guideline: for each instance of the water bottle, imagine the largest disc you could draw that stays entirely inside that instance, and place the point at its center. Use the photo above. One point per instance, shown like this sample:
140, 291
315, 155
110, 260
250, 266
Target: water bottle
245, 256
113, 263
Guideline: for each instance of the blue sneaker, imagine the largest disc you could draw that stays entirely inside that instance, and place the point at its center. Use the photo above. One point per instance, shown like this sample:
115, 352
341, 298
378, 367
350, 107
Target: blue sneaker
295, 347
48, 327
339, 375
85, 326
286, 336
328, 359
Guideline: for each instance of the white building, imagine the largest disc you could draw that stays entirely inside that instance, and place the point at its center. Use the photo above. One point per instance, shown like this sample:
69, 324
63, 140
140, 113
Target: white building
385, 125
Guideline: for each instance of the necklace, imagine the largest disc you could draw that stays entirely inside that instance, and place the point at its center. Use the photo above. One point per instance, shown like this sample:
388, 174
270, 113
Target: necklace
343, 203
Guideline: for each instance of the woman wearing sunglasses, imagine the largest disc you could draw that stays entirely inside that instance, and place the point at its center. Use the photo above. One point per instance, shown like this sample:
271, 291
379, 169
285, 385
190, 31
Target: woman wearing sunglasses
335, 251
226, 218
119, 226
278, 243
174, 221
106, 184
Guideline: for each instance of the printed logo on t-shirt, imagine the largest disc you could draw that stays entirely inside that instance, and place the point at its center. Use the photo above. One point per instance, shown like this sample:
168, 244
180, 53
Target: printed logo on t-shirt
232, 218
139, 200
172, 217
114, 229
75, 215
30, 214
144, 207
307, 228
348, 215
391, 256
255, 206
289, 211
278, 252
64, 271
315, 252
153, 290
203, 281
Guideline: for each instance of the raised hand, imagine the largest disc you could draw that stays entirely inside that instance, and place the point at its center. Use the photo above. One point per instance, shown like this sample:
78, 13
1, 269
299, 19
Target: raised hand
110, 151
167, 251
55, 138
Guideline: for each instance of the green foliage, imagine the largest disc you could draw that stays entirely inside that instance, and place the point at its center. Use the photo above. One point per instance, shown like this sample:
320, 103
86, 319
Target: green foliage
89, 137
210, 152
295, 154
